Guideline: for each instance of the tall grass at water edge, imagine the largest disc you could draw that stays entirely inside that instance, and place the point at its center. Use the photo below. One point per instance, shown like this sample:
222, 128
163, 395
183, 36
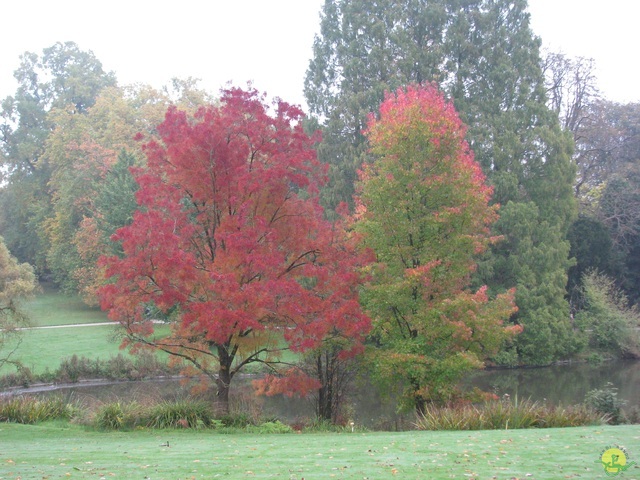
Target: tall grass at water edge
507, 414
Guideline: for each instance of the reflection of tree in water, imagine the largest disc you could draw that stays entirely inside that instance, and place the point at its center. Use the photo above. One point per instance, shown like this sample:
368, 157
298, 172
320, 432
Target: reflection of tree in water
564, 384
561, 384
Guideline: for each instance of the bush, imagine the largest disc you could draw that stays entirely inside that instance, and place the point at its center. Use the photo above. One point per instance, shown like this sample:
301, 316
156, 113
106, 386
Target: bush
605, 401
118, 416
177, 414
74, 368
23, 377
180, 414
29, 410
506, 414
606, 318
269, 427
237, 420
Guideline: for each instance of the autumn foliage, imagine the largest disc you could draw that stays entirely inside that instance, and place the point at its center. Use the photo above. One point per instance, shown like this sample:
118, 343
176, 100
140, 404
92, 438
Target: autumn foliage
423, 207
231, 245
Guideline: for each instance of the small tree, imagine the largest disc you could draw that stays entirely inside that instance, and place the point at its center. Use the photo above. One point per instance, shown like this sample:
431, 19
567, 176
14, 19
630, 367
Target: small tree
231, 243
17, 282
423, 208
609, 323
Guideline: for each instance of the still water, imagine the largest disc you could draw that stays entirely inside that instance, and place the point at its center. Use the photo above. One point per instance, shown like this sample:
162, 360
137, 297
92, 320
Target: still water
563, 384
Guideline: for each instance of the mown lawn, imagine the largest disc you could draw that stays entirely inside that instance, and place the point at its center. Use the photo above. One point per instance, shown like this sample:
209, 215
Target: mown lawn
50, 307
67, 451
45, 348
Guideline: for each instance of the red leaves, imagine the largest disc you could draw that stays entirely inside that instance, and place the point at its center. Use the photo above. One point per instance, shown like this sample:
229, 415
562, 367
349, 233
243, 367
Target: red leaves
293, 383
230, 234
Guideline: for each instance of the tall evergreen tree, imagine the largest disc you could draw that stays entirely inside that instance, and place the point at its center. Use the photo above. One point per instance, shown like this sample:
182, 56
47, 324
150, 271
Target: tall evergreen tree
486, 58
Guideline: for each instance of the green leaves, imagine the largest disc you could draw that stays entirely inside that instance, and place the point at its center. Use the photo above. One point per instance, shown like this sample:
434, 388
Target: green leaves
423, 208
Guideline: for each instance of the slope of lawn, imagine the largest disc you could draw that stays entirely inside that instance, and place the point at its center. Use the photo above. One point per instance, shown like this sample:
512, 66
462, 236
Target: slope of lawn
54, 337
66, 451
45, 348
50, 307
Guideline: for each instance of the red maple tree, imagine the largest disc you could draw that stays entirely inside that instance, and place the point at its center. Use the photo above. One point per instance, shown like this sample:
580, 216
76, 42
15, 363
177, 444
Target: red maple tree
231, 244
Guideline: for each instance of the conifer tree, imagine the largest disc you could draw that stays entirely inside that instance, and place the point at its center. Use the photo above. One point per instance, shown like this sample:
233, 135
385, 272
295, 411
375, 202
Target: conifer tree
484, 55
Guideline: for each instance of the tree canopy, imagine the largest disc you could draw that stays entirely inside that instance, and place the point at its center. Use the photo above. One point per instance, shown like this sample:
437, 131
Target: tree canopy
17, 282
423, 208
231, 244
484, 56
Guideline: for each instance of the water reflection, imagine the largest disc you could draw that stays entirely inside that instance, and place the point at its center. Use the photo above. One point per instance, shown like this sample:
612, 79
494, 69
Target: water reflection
563, 384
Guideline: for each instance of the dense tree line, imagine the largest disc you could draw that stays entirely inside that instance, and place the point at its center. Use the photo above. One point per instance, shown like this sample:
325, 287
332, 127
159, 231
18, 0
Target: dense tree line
560, 163
523, 112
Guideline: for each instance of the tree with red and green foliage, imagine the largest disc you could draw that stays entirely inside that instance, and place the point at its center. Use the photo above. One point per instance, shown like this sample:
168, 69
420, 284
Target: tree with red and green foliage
231, 245
423, 208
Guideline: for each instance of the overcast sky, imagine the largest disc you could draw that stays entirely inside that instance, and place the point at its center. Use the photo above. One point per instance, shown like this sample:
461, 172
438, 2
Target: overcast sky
269, 41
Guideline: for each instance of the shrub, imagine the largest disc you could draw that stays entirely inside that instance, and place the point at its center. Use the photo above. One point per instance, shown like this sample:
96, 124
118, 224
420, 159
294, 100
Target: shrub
74, 368
605, 401
606, 318
269, 427
29, 410
175, 414
505, 414
572, 416
237, 420
118, 416
120, 368
23, 377
180, 414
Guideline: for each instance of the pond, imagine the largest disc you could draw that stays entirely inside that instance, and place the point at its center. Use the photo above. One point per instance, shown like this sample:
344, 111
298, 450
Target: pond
563, 384
558, 385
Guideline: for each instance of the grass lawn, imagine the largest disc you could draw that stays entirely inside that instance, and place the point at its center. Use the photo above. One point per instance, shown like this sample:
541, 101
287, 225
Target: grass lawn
45, 348
50, 307
67, 451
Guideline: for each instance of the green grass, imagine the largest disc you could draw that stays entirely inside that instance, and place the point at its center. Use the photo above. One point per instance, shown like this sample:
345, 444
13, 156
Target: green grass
45, 348
67, 451
50, 307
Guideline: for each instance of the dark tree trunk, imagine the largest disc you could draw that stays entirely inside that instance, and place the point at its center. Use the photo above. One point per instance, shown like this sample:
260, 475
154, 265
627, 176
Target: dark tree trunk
420, 401
222, 395
325, 392
223, 382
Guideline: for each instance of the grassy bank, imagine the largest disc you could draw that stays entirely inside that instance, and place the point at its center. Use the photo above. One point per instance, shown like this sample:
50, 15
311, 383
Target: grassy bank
67, 451
54, 336
50, 307
43, 349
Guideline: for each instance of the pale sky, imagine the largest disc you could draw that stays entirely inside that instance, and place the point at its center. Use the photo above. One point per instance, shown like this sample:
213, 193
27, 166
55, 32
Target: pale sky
269, 42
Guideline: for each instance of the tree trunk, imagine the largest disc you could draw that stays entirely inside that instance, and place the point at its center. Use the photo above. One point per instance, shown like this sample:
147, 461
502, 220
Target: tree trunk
421, 405
223, 382
323, 408
222, 395
419, 400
